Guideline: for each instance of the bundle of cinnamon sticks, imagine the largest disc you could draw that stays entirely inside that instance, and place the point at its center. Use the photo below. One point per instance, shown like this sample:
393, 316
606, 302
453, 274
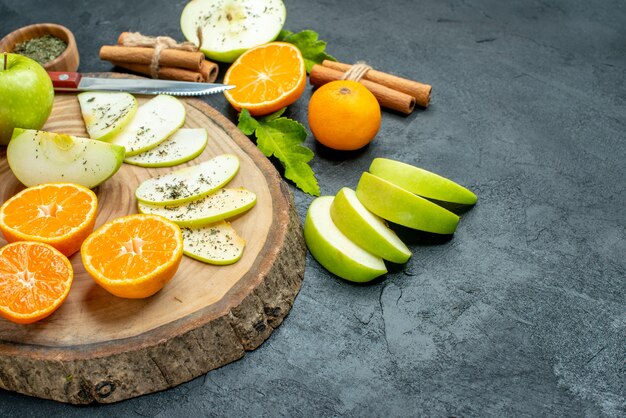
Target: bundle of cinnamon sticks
392, 92
171, 63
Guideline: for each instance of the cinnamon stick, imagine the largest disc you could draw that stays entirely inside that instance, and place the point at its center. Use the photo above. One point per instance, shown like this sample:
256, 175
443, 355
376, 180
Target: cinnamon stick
389, 98
139, 55
165, 73
209, 71
420, 91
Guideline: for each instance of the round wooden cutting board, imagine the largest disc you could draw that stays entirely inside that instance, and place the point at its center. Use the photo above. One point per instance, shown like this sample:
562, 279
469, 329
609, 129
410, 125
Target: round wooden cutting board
98, 347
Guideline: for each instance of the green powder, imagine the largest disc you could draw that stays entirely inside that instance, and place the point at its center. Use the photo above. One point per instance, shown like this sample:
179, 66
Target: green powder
42, 50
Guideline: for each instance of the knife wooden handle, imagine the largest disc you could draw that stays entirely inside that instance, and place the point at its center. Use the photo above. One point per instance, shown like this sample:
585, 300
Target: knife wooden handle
64, 80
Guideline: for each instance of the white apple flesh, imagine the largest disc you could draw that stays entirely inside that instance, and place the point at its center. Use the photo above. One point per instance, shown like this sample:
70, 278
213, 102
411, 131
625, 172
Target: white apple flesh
421, 182
366, 229
400, 206
154, 122
230, 27
216, 243
26, 95
106, 113
38, 157
333, 250
223, 204
189, 183
184, 145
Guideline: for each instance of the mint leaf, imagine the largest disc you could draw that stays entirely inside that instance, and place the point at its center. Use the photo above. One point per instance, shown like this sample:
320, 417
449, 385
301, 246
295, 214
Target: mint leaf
283, 34
274, 115
282, 137
247, 124
312, 49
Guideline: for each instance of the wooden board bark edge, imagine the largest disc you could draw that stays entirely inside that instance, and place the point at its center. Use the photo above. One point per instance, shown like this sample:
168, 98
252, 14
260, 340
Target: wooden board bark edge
178, 352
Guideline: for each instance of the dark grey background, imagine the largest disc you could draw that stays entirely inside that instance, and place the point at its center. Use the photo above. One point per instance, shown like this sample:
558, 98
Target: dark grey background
522, 312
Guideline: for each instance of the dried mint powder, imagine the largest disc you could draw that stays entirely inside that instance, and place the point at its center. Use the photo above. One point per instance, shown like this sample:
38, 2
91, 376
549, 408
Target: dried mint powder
43, 49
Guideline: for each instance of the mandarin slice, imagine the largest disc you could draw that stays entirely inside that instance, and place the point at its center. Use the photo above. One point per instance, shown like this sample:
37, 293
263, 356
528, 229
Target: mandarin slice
133, 256
35, 279
59, 214
267, 78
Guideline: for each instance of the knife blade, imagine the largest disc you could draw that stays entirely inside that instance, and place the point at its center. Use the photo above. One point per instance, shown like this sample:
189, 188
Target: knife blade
67, 81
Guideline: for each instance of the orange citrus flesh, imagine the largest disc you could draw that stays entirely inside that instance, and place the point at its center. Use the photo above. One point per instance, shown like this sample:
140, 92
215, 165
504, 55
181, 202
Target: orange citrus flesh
35, 280
133, 256
344, 115
267, 78
59, 214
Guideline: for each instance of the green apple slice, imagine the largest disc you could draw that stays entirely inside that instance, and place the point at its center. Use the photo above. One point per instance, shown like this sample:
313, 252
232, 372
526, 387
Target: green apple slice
223, 204
37, 157
398, 205
216, 243
421, 182
333, 250
155, 121
229, 27
189, 183
185, 145
365, 229
106, 113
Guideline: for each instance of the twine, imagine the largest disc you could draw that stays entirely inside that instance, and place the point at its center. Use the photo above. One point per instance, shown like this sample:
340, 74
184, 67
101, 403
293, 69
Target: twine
357, 71
159, 43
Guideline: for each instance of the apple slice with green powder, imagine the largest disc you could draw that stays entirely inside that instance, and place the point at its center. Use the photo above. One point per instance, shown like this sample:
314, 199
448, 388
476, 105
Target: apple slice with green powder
189, 183
185, 145
223, 204
230, 27
365, 229
216, 243
155, 121
422, 182
335, 251
400, 206
37, 157
106, 113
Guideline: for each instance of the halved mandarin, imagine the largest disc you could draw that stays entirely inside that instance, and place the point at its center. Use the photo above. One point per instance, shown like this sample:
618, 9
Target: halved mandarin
58, 214
133, 256
35, 279
267, 78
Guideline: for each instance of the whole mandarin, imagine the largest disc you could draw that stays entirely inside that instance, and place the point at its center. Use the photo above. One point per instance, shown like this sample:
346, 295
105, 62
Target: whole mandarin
344, 115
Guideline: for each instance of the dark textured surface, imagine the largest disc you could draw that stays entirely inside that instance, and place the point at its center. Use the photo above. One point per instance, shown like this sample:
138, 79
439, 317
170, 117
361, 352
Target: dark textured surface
522, 312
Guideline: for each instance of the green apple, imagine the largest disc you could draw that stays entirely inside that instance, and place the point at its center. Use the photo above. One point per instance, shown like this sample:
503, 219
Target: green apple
26, 95
333, 250
185, 145
421, 182
400, 206
365, 229
155, 121
37, 157
216, 243
230, 27
189, 183
223, 204
106, 113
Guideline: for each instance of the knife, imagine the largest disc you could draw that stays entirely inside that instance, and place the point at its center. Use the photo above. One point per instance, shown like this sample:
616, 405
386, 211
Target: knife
67, 81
